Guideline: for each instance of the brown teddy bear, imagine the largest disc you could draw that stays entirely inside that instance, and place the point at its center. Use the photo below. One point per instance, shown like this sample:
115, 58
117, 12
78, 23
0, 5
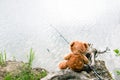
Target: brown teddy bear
76, 59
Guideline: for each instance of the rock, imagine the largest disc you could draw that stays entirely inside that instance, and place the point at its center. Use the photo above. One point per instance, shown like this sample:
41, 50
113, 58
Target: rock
11, 66
68, 74
15, 67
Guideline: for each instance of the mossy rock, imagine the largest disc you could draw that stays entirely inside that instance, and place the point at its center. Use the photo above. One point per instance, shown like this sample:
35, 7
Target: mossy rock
14, 68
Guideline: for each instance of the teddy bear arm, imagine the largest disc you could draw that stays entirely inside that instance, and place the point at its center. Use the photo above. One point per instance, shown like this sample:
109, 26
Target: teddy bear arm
67, 57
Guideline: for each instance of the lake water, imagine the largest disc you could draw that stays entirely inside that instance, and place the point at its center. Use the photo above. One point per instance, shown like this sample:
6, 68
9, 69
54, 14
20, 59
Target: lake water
27, 24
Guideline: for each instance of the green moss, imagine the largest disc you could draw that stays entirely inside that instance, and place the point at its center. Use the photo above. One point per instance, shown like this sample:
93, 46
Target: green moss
26, 74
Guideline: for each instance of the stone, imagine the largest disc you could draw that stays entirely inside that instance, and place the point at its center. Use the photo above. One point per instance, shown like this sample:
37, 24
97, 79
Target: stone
15, 67
68, 74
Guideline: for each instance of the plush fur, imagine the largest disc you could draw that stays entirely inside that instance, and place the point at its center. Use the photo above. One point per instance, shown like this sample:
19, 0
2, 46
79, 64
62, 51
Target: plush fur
76, 59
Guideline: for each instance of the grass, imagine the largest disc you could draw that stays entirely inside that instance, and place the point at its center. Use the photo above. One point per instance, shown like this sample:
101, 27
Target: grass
26, 72
31, 57
2, 58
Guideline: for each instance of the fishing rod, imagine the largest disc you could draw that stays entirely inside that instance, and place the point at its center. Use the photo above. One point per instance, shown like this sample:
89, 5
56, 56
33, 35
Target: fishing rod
60, 34
92, 68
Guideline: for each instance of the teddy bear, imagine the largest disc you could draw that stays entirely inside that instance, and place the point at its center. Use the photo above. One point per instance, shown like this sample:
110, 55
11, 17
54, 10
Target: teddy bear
76, 59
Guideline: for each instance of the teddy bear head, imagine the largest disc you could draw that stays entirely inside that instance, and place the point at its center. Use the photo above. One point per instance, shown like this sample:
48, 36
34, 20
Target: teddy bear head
79, 47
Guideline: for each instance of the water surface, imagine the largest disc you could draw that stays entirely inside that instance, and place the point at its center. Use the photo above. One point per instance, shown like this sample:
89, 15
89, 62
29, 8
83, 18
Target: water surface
25, 24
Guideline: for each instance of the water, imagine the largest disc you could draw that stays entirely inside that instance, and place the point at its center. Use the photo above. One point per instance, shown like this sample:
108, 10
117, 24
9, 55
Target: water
26, 24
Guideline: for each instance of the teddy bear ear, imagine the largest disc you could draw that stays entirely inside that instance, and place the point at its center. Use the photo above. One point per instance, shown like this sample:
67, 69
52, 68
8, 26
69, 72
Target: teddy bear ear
71, 45
86, 45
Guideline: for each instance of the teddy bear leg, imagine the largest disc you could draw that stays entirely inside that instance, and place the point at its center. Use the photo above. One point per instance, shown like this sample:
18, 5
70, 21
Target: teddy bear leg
63, 65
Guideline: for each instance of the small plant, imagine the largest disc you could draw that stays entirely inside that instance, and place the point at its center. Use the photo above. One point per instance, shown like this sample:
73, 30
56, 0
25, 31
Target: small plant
118, 72
2, 58
117, 52
26, 72
31, 57
42, 74
8, 77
